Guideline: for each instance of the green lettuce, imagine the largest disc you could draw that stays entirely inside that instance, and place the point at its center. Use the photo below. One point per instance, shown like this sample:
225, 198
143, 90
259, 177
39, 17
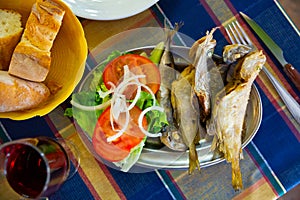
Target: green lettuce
132, 158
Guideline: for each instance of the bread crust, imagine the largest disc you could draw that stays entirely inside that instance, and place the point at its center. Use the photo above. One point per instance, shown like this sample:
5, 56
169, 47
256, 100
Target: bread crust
10, 37
17, 94
41, 29
30, 63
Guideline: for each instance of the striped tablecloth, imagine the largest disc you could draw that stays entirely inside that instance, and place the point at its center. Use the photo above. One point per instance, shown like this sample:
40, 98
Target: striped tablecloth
271, 164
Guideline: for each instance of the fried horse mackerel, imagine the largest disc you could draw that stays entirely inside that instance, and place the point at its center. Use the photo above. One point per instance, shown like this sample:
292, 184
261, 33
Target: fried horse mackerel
229, 112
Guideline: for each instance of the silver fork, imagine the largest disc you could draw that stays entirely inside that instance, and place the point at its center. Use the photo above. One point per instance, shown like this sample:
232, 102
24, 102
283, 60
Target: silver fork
237, 35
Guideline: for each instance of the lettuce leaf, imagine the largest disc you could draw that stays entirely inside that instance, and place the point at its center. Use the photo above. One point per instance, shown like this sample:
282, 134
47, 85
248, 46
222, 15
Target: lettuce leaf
87, 119
156, 120
132, 158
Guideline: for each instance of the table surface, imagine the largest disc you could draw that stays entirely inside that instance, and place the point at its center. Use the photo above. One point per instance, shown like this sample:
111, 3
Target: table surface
271, 164
290, 6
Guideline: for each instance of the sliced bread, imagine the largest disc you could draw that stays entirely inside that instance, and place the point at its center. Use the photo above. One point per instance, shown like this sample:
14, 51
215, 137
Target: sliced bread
10, 34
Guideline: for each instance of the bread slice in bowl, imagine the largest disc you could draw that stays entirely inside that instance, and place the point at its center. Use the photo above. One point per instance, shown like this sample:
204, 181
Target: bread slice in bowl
31, 59
10, 34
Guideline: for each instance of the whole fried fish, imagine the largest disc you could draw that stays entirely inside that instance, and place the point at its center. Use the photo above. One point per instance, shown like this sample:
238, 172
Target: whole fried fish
229, 112
171, 136
186, 113
192, 85
201, 52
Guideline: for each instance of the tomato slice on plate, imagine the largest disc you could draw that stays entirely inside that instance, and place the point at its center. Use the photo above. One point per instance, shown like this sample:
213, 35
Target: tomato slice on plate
120, 148
139, 65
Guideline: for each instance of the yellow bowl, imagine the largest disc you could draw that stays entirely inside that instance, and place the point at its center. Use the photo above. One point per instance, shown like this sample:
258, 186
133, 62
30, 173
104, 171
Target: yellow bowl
69, 53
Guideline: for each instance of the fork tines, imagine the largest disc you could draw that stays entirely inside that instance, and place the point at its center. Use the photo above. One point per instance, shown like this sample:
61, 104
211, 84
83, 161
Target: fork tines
236, 33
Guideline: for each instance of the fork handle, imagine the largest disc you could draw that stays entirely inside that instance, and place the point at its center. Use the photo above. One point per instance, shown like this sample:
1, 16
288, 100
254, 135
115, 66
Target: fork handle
293, 74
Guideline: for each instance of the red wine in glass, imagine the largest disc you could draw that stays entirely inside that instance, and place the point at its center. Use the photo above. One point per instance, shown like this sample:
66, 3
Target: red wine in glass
34, 167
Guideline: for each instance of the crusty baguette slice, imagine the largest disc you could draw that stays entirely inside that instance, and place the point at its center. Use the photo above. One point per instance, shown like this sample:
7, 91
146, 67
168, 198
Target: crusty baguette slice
18, 94
29, 63
10, 34
31, 59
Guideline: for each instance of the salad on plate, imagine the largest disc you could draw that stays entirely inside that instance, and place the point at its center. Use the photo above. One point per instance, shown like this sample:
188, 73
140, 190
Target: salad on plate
122, 106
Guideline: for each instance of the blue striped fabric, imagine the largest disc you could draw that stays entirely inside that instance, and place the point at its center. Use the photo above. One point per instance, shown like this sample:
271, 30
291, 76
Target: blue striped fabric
274, 153
141, 185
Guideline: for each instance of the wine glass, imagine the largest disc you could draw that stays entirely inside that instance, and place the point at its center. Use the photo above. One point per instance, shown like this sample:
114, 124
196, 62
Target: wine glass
33, 168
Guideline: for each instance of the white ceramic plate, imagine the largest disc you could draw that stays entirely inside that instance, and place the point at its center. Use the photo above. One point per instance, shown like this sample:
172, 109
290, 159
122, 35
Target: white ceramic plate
108, 9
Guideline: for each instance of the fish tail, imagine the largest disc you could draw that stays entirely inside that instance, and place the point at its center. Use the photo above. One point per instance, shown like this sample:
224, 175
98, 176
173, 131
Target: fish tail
237, 182
193, 155
193, 159
170, 32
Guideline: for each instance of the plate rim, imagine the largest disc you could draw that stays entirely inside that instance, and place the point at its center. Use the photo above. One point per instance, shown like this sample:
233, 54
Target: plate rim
120, 10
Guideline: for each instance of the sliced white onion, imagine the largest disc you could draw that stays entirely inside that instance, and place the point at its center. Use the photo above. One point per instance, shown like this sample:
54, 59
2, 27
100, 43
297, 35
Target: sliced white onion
119, 132
137, 95
110, 91
150, 91
119, 104
140, 121
91, 108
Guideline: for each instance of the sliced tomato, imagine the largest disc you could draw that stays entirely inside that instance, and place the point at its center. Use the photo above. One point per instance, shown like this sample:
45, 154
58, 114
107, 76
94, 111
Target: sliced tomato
139, 65
120, 148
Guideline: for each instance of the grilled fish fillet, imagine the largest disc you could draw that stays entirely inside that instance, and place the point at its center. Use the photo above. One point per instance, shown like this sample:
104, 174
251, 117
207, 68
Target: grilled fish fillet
229, 113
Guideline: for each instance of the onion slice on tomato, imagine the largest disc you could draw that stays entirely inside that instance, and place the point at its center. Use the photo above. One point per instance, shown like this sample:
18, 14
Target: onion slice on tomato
140, 120
119, 103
